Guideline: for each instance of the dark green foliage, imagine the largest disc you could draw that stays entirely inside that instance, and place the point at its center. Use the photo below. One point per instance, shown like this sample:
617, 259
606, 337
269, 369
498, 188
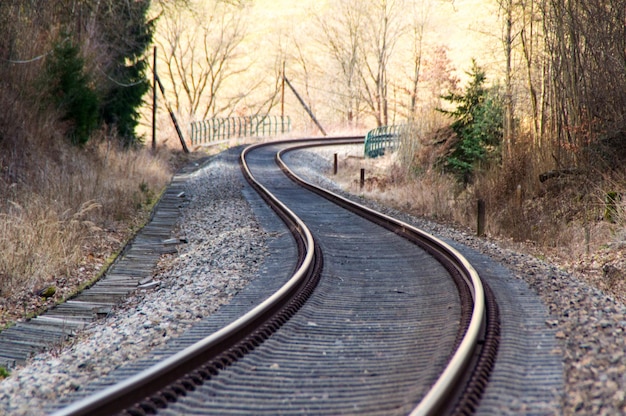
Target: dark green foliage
112, 93
478, 126
128, 34
71, 91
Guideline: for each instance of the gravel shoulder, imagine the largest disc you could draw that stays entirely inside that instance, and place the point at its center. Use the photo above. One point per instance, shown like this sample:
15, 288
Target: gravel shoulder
227, 245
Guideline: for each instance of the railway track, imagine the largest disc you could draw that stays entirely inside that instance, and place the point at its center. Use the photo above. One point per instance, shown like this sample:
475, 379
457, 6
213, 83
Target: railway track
368, 321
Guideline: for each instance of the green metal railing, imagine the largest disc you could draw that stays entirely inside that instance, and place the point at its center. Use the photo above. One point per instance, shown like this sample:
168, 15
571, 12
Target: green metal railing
221, 129
383, 139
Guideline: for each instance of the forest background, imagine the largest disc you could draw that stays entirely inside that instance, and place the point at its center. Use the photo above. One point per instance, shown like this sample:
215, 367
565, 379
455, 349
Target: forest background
518, 103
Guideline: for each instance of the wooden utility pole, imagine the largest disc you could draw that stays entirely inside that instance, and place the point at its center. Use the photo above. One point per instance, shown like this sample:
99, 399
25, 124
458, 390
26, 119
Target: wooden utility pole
154, 98
282, 98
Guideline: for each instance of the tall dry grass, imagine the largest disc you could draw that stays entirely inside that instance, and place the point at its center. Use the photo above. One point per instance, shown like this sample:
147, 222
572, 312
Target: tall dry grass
39, 243
569, 218
63, 209
566, 217
566, 213
64, 202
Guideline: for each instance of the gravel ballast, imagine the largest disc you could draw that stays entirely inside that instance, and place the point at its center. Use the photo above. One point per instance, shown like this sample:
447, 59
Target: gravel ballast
225, 249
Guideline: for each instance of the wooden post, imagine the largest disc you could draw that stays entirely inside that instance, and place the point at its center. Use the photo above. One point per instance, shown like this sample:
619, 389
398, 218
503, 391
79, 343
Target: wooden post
480, 218
154, 99
335, 164
282, 98
362, 181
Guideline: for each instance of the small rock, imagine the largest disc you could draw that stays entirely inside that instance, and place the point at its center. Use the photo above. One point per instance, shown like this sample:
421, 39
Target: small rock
47, 292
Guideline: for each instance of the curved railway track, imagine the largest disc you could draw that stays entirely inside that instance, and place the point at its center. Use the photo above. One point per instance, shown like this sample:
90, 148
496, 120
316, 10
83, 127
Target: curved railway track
368, 322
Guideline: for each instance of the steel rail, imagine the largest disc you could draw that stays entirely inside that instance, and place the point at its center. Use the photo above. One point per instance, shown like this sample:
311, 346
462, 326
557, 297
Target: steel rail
455, 373
145, 384
127, 393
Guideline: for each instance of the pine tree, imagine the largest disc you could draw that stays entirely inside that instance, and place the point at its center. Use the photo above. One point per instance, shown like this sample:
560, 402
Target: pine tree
127, 32
71, 90
478, 124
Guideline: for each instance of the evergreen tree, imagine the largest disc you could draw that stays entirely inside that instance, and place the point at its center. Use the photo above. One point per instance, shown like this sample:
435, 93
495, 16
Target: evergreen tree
71, 90
112, 93
478, 126
127, 32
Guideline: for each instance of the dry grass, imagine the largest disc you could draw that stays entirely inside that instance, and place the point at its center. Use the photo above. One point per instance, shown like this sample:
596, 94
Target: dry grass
63, 210
562, 219
38, 243
67, 212
387, 181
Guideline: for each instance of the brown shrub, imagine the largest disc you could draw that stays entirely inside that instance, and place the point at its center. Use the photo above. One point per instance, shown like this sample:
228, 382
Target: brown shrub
567, 211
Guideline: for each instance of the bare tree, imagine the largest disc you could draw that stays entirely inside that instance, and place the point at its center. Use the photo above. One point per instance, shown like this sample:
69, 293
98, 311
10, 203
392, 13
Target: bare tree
407, 75
568, 78
377, 51
342, 37
200, 53
417, 25
570, 84
507, 41
384, 29
531, 39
